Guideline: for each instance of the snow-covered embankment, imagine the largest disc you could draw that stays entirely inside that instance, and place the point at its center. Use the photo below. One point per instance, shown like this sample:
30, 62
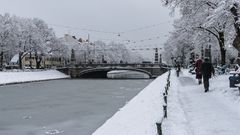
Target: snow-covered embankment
140, 115
21, 77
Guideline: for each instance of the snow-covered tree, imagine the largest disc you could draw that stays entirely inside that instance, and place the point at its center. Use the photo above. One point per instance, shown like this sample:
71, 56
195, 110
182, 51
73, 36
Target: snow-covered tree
211, 22
99, 52
18, 35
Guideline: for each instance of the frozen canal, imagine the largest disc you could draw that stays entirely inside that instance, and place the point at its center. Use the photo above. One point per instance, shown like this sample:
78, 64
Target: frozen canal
63, 107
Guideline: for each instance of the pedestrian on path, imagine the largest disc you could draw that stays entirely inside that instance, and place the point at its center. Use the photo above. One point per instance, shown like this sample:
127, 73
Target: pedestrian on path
178, 69
198, 64
207, 70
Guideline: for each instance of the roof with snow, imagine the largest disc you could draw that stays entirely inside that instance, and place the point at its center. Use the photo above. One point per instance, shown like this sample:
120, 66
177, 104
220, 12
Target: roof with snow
15, 58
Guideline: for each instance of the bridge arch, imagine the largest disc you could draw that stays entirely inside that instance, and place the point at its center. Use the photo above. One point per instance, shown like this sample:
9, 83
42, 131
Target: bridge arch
102, 72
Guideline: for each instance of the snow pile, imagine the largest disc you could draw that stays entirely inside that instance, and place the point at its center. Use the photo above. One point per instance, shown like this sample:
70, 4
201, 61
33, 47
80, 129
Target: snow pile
140, 115
18, 77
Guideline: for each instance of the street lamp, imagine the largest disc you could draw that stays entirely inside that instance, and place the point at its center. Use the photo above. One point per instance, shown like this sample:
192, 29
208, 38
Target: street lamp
1, 57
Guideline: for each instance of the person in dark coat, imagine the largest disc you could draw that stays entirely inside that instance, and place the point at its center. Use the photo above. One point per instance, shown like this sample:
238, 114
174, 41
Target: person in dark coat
178, 69
207, 70
198, 64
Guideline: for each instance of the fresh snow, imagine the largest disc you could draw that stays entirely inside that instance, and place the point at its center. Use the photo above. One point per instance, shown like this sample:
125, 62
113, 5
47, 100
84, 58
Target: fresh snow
127, 74
20, 76
140, 115
15, 58
193, 112
190, 110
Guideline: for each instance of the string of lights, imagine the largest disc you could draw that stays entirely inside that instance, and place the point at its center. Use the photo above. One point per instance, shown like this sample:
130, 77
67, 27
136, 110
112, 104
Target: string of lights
144, 40
144, 27
110, 32
83, 29
121, 37
130, 42
114, 49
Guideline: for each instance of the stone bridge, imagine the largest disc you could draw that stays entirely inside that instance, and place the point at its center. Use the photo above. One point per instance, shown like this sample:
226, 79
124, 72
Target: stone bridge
101, 70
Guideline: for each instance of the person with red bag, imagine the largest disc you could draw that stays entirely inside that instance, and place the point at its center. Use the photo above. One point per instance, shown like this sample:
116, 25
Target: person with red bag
198, 65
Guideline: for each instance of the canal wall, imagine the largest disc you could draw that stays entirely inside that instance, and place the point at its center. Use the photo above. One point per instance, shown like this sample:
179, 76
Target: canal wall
15, 77
139, 116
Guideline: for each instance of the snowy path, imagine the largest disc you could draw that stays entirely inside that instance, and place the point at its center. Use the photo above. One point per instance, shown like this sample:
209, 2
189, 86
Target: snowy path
201, 113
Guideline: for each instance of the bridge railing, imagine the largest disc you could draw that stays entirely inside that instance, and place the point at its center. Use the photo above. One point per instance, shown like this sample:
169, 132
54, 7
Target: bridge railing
153, 70
135, 65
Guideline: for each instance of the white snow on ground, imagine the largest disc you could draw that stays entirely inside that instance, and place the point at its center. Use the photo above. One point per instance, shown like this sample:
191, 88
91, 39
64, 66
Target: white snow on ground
127, 74
140, 115
18, 77
191, 111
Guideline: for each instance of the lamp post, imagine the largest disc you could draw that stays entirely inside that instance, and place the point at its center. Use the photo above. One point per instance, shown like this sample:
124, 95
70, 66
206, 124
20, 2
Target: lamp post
202, 52
1, 57
160, 58
172, 58
156, 61
73, 59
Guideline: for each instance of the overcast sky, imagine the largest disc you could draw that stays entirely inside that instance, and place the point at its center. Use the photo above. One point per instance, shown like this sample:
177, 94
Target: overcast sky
135, 20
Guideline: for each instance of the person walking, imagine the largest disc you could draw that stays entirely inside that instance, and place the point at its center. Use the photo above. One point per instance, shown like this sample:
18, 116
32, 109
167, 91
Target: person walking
198, 64
178, 69
207, 70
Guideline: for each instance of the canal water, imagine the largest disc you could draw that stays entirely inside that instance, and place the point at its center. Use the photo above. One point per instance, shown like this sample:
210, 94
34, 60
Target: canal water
63, 107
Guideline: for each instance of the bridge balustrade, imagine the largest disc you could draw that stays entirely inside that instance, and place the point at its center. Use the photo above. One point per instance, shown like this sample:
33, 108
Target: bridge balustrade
79, 70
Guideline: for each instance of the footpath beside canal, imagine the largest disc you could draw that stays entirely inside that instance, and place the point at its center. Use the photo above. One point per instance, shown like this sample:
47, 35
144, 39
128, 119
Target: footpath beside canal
18, 76
190, 111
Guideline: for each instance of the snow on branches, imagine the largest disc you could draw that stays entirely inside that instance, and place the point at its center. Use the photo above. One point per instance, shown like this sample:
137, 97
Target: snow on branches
209, 22
25, 35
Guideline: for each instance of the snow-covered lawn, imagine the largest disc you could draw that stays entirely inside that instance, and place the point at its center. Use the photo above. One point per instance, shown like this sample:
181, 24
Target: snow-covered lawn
190, 110
20, 76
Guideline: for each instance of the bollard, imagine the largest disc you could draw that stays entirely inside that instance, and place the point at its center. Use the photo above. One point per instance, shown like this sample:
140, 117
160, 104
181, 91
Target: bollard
159, 128
165, 111
165, 98
167, 86
166, 90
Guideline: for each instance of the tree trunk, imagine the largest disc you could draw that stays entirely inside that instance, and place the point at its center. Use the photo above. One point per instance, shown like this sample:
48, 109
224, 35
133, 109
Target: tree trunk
20, 60
38, 60
220, 38
235, 12
1, 60
222, 48
30, 60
